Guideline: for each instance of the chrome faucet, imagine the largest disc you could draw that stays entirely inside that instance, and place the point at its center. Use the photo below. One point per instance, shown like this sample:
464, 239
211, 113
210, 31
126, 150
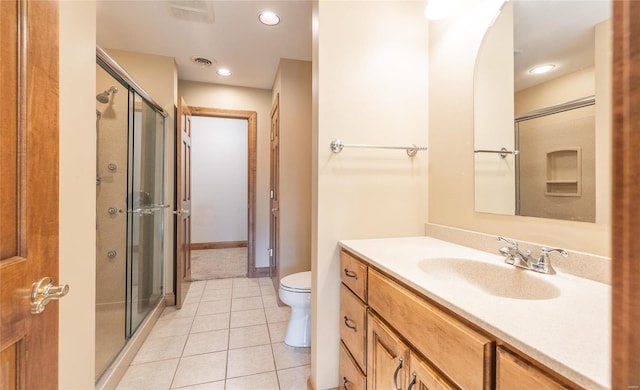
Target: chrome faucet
543, 264
516, 257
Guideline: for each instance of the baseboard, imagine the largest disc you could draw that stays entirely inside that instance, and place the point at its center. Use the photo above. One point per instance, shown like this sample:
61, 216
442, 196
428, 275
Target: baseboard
170, 299
218, 245
261, 272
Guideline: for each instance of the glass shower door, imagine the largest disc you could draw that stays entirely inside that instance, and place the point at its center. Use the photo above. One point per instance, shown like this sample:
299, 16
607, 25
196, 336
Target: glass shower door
146, 212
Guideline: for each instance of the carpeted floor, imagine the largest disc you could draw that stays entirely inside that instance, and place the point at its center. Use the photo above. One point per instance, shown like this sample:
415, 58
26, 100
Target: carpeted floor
218, 263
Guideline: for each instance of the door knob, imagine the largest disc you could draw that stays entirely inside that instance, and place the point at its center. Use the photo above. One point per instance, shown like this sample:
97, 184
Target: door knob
43, 291
181, 211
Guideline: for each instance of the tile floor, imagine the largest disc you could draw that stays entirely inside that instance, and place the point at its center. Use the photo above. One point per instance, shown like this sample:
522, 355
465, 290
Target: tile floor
228, 335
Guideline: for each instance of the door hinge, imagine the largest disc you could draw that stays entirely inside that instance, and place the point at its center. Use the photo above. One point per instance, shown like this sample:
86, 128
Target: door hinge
271, 194
270, 252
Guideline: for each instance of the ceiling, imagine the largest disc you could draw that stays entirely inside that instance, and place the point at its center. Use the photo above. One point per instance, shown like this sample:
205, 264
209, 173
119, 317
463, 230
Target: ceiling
554, 32
227, 31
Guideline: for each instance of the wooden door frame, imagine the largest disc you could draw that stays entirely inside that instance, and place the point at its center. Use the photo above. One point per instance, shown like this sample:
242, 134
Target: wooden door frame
625, 226
274, 164
252, 129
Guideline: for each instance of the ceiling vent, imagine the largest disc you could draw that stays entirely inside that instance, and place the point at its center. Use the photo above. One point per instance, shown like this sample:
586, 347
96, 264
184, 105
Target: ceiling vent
192, 10
203, 61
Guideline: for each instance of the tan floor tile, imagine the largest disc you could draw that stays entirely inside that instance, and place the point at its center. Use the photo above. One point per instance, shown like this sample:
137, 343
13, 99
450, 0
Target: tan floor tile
249, 303
171, 327
267, 290
249, 361
219, 385
269, 301
155, 375
188, 310
247, 318
248, 336
264, 381
294, 378
277, 331
216, 295
210, 322
206, 342
277, 314
245, 282
162, 348
287, 357
241, 292
265, 282
214, 307
193, 370
217, 284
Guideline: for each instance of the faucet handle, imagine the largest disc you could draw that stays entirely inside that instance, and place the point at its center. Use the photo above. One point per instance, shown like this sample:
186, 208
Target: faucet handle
545, 251
510, 242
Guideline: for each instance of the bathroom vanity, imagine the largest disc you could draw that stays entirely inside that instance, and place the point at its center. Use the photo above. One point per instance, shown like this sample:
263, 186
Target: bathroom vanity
421, 313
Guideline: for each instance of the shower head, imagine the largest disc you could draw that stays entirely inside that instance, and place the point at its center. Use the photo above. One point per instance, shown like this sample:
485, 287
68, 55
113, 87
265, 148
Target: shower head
104, 96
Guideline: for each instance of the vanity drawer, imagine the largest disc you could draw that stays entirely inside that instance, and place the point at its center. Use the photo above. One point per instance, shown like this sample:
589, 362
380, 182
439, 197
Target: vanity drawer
351, 378
513, 372
353, 274
353, 326
462, 354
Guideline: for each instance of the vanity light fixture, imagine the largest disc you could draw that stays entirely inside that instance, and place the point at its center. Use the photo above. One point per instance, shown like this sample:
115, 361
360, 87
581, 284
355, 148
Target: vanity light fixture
268, 18
439, 9
223, 72
542, 69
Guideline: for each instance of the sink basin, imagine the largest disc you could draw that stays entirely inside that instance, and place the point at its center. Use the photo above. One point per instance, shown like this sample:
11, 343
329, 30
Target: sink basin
495, 279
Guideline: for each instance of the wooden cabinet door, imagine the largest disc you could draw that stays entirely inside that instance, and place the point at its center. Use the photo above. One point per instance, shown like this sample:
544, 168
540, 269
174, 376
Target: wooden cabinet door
387, 357
515, 373
424, 377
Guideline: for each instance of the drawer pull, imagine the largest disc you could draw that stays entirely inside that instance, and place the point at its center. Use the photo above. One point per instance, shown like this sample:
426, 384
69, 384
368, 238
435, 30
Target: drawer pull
347, 321
413, 381
395, 375
350, 274
345, 383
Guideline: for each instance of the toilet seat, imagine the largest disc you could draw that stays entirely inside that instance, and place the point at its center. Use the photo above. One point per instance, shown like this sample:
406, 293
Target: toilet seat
298, 283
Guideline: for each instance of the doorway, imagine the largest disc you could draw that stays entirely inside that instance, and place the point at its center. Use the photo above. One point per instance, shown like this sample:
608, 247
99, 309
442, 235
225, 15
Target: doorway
223, 167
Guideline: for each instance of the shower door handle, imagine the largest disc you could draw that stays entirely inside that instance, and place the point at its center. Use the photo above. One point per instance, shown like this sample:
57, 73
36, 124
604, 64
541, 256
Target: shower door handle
179, 212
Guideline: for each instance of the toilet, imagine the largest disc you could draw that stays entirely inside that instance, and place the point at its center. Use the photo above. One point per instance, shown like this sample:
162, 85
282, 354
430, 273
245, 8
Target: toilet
295, 291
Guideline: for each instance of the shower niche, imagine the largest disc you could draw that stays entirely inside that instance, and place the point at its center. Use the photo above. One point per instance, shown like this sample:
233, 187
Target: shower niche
129, 209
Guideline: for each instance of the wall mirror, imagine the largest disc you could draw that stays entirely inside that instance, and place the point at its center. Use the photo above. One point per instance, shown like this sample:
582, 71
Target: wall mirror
542, 139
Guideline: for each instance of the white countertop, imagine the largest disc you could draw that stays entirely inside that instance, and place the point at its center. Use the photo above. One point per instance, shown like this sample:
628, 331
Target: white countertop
569, 331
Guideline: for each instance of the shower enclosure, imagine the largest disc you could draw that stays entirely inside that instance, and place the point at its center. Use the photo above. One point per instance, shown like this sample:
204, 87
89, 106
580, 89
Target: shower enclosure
129, 208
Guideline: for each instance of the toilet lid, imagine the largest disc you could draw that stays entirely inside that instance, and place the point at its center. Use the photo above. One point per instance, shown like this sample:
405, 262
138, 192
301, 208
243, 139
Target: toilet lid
300, 281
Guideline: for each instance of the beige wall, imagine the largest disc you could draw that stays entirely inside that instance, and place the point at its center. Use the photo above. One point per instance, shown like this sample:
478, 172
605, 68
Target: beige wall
77, 193
453, 46
576, 85
158, 76
293, 84
370, 86
603, 65
251, 99
495, 177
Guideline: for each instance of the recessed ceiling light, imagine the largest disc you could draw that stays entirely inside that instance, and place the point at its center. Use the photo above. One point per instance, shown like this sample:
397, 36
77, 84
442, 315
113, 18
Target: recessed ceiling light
542, 69
223, 72
268, 18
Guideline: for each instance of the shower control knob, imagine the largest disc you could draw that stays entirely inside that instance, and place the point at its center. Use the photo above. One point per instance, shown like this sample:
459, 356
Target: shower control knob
113, 210
112, 167
112, 254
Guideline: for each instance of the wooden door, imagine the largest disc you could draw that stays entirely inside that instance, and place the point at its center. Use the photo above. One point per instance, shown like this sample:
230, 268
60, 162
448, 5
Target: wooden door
183, 205
28, 191
387, 357
274, 202
625, 223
